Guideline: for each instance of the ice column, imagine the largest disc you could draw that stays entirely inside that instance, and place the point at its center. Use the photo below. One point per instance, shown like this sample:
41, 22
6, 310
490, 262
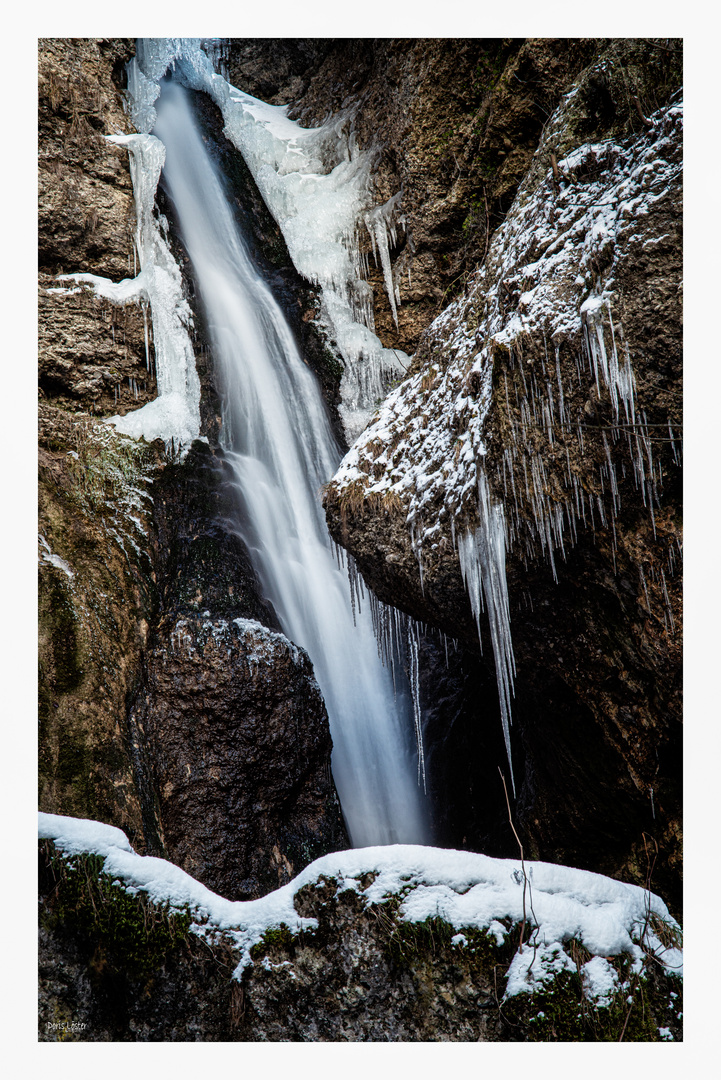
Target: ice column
482, 554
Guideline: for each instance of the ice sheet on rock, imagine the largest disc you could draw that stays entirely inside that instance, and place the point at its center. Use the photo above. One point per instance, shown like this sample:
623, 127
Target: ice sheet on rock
174, 415
466, 889
49, 556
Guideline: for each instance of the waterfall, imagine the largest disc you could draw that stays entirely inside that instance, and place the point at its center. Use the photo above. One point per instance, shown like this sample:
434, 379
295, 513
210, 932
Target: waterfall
280, 444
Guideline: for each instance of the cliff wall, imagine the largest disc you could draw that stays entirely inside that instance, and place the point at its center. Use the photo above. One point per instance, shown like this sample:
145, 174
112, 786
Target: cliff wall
555, 376
136, 543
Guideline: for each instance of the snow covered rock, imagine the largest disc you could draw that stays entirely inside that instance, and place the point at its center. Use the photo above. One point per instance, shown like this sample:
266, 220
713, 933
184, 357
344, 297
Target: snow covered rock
394, 943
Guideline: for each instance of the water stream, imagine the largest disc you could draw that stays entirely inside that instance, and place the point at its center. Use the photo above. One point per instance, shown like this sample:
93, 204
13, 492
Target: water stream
282, 449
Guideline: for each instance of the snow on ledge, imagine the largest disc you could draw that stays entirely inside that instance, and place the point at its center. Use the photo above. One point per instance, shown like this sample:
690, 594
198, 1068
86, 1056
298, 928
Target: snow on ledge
464, 888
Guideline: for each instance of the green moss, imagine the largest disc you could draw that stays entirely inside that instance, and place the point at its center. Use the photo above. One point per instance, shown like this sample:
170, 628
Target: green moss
61, 625
105, 471
72, 771
560, 1011
410, 941
129, 933
550, 1015
275, 937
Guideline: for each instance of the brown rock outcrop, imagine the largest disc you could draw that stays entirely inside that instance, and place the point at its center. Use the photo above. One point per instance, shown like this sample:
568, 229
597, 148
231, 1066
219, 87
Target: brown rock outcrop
96, 600
238, 736
86, 216
92, 354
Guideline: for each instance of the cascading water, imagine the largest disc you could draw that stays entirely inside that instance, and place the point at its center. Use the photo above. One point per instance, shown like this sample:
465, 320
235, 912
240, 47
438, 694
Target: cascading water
280, 444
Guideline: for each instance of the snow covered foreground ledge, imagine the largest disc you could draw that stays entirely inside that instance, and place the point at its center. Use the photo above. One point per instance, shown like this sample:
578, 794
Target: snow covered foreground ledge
465, 889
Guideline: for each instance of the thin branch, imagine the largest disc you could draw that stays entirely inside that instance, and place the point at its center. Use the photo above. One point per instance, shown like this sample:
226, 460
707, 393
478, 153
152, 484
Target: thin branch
520, 845
644, 119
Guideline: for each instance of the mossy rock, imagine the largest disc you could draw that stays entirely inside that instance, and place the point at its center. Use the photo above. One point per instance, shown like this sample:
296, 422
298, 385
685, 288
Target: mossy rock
114, 928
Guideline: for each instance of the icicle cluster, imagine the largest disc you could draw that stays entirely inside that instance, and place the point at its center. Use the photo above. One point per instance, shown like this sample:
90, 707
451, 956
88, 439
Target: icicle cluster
540, 282
482, 555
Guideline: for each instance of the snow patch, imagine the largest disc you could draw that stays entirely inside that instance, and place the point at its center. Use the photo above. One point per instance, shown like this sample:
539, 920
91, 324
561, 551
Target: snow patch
466, 889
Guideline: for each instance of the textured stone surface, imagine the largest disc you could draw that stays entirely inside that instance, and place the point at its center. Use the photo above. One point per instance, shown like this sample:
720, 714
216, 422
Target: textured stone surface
118, 968
92, 354
238, 737
453, 123
86, 216
96, 600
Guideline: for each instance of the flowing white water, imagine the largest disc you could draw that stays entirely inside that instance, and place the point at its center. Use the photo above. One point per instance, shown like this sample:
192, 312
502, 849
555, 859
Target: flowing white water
283, 451
318, 186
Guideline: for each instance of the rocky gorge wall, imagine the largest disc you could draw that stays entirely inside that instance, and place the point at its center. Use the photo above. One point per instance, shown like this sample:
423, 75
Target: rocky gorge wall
510, 384
170, 705
147, 595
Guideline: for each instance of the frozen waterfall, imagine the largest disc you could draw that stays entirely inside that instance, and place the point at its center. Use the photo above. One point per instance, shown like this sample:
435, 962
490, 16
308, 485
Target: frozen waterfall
282, 449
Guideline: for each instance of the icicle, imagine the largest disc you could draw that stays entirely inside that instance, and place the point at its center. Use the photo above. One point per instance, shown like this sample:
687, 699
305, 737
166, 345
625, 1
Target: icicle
147, 346
645, 590
561, 403
415, 694
668, 602
482, 556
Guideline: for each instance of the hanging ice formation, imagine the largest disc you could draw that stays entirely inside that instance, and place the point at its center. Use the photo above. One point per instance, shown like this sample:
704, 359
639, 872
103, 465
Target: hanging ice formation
318, 186
174, 415
482, 555
281, 447
427, 446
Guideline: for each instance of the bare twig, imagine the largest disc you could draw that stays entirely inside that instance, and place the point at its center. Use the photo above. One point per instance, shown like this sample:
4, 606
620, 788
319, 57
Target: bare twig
520, 845
554, 166
485, 246
644, 119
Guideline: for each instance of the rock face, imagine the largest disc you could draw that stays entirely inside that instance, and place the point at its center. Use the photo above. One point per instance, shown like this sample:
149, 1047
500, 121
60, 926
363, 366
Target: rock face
92, 354
453, 124
96, 526
93, 357
510, 385
86, 215
134, 544
238, 736
96, 599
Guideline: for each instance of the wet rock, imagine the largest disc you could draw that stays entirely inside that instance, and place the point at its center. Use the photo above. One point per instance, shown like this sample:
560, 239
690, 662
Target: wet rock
239, 740
453, 124
93, 355
86, 217
96, 600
